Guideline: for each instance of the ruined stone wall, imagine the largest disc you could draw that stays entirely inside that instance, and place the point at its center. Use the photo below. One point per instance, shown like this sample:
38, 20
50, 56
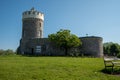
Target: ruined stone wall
46, 47
91, 46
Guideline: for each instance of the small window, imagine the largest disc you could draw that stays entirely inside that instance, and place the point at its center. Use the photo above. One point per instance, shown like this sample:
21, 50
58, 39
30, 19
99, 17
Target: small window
33, 12
29, 12
38, 33
40, 25
25, 13
38, 13
38, 49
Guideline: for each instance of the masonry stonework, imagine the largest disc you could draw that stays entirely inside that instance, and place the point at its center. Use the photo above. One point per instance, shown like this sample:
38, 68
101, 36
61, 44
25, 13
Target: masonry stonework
33, 43
92, 46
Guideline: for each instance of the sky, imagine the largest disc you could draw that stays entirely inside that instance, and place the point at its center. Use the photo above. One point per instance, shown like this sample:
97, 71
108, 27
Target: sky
93, 17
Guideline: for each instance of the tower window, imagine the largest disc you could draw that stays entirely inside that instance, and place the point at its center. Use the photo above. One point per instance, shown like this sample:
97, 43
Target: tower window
29, 12
38, 33
38, 13
25, 13
33, 12
40, 24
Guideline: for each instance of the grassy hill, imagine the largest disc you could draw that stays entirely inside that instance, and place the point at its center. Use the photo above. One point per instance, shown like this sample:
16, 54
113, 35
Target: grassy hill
52, 68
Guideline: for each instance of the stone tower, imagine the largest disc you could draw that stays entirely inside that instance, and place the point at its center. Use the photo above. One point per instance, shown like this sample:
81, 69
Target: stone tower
32, 24
92, 46
32, 28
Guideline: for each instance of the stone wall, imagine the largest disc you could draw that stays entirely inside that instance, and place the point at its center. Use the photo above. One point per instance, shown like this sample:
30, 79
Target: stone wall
91, 46
46, 47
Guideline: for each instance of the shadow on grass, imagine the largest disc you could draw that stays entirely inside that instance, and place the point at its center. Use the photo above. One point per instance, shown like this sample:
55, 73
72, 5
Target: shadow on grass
116, 71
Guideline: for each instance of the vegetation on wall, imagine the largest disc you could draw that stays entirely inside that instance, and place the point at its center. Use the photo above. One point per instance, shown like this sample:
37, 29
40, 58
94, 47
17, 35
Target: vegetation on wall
112, 49
64, 39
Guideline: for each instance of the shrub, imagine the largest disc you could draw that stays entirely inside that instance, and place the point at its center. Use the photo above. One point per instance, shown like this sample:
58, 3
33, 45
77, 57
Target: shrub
7, 52
118, 55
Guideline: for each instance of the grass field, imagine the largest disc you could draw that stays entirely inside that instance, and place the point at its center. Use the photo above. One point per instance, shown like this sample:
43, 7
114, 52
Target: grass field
52, 68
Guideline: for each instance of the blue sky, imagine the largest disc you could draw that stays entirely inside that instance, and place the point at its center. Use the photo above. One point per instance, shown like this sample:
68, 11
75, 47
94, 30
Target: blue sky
92, 17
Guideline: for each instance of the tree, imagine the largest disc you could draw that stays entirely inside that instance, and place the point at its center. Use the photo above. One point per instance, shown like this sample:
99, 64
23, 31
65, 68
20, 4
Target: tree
114, 49
106, 48
64, 39
6, 52
111, 48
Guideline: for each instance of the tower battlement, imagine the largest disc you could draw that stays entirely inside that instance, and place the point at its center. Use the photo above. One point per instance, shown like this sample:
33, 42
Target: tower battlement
33, 14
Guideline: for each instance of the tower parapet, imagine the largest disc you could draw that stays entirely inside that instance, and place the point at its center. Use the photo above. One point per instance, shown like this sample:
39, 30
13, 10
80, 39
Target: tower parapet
33, 14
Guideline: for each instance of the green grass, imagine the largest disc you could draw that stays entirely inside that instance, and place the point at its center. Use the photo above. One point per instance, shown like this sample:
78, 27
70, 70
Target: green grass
52, 68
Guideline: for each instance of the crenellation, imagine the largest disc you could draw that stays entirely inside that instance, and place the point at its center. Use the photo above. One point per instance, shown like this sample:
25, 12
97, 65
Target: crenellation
33, 14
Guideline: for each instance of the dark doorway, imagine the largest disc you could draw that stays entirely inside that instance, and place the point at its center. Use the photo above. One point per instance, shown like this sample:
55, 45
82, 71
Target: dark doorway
32, 50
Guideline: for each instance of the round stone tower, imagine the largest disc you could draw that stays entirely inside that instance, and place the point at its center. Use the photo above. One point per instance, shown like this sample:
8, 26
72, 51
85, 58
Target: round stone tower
92, 46
32, 29
32, 24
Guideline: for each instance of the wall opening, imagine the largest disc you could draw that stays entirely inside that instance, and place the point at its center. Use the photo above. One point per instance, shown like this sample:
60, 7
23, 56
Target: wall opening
32, 51
38, 49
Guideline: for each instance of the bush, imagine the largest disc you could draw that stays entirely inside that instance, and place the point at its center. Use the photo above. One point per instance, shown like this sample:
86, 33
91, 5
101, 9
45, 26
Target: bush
118, 55
111, 48
7, 52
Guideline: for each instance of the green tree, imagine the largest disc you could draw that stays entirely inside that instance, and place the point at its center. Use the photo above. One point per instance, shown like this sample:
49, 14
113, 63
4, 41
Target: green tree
114, 49
63, 38
111, 48
6, 52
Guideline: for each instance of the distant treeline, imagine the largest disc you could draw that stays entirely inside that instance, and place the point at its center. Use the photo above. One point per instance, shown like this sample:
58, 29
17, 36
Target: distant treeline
7, 52
111, 49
